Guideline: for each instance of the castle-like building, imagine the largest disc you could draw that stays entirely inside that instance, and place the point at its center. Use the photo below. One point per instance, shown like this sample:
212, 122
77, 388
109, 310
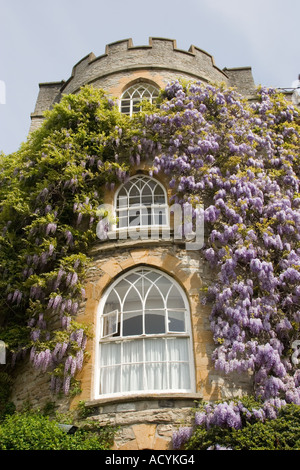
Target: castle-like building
150, 357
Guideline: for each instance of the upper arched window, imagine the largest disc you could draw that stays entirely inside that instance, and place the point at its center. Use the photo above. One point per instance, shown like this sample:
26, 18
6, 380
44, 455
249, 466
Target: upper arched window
141, 202
145, 336
131, 97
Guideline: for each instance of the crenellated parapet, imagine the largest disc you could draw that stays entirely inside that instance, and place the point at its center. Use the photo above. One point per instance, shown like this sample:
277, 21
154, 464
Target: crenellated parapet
159, 62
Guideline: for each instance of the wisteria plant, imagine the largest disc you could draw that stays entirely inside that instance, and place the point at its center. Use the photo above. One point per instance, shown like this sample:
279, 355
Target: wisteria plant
50, 191
239, 159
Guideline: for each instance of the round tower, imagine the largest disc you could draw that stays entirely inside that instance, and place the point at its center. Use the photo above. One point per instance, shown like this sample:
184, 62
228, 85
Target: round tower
150, 355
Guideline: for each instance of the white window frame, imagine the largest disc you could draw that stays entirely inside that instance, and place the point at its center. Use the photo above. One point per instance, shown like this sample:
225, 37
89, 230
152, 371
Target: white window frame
167, 335
141, 89
128, 186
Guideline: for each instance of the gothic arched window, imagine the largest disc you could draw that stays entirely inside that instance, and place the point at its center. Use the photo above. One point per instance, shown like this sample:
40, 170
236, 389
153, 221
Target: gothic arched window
141, 202
145, 336
132, 97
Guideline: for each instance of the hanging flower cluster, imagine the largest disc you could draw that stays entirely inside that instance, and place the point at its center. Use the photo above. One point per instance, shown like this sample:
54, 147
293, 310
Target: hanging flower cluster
241, 161
50, 191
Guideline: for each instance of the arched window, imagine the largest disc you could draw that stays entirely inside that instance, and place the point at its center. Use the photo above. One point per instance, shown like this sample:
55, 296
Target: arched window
141, 202
145, 343
131, 97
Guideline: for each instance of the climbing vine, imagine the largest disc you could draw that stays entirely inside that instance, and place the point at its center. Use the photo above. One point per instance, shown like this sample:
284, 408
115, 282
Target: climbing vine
50, 191
239, 159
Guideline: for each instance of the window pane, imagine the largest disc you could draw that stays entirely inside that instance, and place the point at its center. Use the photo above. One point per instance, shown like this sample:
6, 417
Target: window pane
155, 350
110, 354
132, 378
135, 106
122, 201
175, 299
159, 197
176, 321
132, 324
111, 324
160, 216
132, 300
179, 376
178, 349
122, 289
156, 376
134, 217
134, 189
136, 94
146, 217
132, 370
112, 303
155, 322
179, 371
154, 299
110, 380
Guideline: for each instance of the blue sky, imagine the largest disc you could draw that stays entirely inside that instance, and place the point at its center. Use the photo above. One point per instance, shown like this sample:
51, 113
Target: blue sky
40, 41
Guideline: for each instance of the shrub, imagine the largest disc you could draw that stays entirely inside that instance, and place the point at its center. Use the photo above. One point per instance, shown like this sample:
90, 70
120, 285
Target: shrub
34, 431
282, 433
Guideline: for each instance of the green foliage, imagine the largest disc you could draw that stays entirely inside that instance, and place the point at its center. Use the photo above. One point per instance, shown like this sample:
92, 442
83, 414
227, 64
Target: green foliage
34, 431
6, 406
282, 433
50, 191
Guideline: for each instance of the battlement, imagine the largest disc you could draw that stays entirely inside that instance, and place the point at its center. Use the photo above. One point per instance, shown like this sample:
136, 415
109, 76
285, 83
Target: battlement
160, 62
160, 53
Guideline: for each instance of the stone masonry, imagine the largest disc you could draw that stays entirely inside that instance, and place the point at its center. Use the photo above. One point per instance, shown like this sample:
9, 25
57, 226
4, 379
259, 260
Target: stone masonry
146, 421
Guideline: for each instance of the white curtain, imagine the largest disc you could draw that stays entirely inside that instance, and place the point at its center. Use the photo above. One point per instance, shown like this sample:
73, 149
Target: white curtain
144, 364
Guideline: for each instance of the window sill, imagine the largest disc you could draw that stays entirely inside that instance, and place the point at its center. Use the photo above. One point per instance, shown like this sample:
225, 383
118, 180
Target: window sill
142, 397
108, 245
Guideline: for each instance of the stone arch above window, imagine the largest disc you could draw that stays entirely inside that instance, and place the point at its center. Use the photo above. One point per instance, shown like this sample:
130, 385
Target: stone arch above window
141, 202
144, 336
132, 96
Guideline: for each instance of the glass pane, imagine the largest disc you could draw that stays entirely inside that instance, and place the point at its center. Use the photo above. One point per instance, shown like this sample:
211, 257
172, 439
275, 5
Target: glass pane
112, 303
176, 321
110, 380
134, 190
123, 222
132, 378
155, 322
154, 299
175, 299
179, 376
146, 217
132, 351
147, 190
111, 324
159, 196
132, 324
122, 288
122, 201
132, 300
156, 376
155, 350
164, 285
178, 349
134, 217
136, 94
132, 370
136, 106
110, 354
147, 200
135, 199
160, 216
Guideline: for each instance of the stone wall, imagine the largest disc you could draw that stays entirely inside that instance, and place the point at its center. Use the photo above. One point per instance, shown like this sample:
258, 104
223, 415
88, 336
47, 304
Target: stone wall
159, 62
144, 419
